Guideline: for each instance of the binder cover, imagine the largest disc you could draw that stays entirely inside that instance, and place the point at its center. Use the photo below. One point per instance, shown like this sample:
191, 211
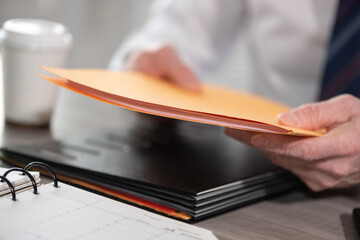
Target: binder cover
191, 168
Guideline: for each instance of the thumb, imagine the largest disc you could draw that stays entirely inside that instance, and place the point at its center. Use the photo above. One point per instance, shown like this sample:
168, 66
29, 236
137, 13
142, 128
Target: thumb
323, 114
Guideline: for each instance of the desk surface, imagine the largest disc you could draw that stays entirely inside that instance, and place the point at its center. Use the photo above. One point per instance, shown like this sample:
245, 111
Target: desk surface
294, 215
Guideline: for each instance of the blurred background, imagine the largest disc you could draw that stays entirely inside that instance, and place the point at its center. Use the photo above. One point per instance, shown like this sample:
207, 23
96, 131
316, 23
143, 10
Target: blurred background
98, 28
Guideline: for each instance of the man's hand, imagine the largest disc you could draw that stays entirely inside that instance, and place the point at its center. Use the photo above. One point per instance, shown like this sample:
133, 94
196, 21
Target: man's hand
329, 161
164, 62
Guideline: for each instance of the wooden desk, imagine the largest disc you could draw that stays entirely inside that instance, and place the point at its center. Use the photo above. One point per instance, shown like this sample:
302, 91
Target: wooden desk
294, 215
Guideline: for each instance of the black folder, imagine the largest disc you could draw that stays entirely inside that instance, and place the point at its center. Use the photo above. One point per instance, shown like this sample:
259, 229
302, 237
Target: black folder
193, 168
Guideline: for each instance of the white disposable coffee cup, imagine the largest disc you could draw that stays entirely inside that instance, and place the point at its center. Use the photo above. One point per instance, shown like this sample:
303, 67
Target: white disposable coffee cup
26, 44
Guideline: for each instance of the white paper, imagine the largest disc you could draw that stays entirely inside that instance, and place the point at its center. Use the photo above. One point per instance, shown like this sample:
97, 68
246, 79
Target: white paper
71, 213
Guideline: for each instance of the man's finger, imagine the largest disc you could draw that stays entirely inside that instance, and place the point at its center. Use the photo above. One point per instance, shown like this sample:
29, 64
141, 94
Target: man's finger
296, 147
315, 178
337, 168
310, 148
175, 70
143, 62
163, 62
322, 114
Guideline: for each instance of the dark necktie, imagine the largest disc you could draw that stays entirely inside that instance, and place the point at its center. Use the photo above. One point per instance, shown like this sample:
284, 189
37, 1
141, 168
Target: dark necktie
342, 67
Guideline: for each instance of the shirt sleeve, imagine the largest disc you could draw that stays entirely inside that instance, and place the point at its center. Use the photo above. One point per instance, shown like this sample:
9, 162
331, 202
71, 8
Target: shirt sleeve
202, 31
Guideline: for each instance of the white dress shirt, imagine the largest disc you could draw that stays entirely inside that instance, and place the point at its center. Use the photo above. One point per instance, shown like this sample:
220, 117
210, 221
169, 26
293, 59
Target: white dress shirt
287, 40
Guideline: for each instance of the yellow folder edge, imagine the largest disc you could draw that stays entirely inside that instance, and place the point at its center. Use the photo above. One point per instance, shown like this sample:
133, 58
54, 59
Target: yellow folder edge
215, 105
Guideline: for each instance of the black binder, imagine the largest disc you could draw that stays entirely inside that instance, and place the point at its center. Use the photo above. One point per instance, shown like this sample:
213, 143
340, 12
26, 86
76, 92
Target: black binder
193, 168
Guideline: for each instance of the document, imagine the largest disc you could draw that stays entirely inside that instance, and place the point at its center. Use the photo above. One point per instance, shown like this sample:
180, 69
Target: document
215, 104
71, 213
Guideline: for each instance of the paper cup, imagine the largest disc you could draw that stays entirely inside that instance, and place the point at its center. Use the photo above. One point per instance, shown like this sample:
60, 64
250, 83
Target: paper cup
26, 43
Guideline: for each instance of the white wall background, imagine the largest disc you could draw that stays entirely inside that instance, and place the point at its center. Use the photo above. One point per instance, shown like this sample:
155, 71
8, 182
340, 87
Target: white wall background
98, 28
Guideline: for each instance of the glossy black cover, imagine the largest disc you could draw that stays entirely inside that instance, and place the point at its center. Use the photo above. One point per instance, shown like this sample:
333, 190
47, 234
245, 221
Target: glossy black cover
192, 167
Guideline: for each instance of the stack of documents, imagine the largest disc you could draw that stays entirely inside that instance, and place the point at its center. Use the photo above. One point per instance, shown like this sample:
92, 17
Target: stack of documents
215, 104
189, 171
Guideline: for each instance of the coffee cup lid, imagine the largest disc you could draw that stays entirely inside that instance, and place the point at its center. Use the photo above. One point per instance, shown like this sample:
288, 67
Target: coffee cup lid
35, 34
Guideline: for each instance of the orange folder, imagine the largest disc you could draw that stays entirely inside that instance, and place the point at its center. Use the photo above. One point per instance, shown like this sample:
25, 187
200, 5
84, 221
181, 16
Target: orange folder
215, 104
